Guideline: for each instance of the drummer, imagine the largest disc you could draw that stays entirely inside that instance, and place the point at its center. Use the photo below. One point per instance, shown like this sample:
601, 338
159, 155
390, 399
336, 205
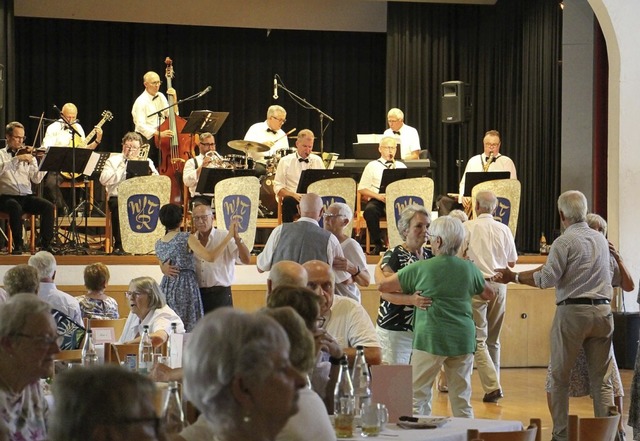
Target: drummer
269, 133
207, 158
289, 170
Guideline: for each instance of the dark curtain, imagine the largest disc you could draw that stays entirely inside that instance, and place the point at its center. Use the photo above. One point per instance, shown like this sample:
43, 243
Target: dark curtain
99, 65
7, 70
510, 55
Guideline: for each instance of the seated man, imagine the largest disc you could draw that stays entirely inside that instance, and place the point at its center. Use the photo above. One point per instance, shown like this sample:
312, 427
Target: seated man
207, 158
346, 320
269, 133
114, 172
18, 170
289, 170
369, 189
406, 135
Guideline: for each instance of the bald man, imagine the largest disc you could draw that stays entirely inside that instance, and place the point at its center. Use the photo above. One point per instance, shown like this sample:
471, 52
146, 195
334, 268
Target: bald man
286, 273
346, 320
303, 240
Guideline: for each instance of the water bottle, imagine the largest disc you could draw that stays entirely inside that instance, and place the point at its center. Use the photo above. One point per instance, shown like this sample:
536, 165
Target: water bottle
172, 413
170, 355
361, 380
145, 352
543, 245
89, 354
344, 402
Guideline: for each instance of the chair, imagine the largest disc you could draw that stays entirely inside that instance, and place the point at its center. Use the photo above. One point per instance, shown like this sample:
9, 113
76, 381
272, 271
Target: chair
360, 223
531, 433
82, 184
108, 228
68, 355
599, 428
116, 324
117, 353
32, 239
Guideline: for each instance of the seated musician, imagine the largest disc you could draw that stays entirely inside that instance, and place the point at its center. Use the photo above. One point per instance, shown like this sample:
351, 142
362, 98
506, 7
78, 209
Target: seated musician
289, 170
406, 135
59, 134
207, 157
114, 173
18, 170
369, 189
269, 133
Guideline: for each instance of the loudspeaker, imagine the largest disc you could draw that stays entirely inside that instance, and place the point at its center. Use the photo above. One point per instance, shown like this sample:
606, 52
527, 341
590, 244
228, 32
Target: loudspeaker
1, 87
455, 102
626, 332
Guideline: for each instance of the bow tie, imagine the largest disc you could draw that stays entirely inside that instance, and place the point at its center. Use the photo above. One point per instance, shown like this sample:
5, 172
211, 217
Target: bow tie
487, 158
396, 133
272, 131
303, 160
154, 97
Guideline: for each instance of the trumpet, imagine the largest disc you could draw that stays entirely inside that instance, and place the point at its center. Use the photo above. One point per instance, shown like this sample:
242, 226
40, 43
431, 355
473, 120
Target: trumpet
142, 153
217, 161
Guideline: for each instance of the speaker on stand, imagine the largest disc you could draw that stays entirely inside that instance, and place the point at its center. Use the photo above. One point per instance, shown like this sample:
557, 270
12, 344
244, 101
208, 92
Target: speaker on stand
455, 108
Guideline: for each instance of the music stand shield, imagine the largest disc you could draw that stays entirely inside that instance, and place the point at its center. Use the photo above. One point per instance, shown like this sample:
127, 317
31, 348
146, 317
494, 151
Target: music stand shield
472, 179
204, 121
60, 159
209, 177
137, 168
395, 174
308, 177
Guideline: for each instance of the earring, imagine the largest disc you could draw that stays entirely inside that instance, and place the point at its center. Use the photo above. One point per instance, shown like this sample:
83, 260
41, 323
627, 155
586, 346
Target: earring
246, 419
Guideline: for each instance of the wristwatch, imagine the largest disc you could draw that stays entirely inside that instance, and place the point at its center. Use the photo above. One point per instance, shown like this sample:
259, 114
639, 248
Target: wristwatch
517, 278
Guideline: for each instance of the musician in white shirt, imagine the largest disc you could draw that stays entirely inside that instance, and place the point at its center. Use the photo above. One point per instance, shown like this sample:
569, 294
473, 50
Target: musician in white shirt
406, 136
269, 133
369, 189
207, 157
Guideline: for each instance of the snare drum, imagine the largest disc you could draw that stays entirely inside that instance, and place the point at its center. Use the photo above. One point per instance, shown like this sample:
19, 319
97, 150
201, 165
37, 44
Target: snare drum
281, 153
238, 161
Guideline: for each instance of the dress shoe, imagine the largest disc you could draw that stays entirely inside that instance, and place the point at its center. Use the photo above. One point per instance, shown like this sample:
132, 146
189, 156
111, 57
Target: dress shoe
118, 252
18, 250
493, 397
377, 249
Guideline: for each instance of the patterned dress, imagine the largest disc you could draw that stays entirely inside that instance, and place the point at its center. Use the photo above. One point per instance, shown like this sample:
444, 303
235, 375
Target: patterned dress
98, 309
182, 292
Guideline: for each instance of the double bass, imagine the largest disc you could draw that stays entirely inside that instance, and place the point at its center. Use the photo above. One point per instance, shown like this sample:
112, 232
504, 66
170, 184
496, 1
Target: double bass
177, 149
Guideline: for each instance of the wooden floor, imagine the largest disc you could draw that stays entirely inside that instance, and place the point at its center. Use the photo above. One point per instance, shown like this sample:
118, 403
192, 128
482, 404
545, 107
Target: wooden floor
524, 398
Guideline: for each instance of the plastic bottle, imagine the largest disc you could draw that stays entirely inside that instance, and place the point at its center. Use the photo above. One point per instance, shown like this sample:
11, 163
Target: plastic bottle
344, 404
172, 413
145, 352
543, 244
174, 330
89, 354
361, 380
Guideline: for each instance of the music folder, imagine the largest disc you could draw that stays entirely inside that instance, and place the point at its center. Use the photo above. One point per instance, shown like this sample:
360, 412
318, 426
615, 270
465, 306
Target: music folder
136, 168
209, 177
200, 121
60, 159
395, 174
308, 177
471, 179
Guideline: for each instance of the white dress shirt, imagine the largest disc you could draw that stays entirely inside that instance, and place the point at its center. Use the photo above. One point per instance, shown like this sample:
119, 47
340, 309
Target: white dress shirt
16, 176
259, 133
408, 139
61, 301
158, 320
290, 168
476, 164
115, 171
220, 272
190, 175
146, 104
489, 244
58, 135
372, 174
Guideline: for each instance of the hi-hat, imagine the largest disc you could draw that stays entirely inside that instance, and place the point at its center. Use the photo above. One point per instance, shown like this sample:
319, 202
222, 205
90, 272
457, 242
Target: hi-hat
247, 146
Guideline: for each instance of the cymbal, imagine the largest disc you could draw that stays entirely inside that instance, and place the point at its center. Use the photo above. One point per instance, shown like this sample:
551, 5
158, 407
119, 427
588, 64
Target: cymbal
247, 146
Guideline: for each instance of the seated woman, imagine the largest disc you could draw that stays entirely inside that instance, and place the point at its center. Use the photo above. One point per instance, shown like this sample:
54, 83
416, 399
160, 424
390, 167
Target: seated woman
95, 304
235, 365
91, 405
28, 341
148, 307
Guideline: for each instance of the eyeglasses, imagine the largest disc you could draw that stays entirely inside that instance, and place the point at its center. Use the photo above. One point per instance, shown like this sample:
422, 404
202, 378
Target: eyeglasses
330, 215
201, 218
392, 121
155, 83
43, 340
208, 144
280, 120
320, 321
134, 294
23, 138
389, 148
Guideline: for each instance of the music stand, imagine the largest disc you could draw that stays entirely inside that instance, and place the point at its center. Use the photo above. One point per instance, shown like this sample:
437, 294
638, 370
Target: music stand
204, 121
209, 177
308, 177
136, 168
471, 179
395, 174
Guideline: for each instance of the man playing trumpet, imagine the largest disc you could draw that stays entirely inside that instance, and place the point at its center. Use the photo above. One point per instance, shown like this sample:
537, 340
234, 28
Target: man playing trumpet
18, 169
115, 171
207, 158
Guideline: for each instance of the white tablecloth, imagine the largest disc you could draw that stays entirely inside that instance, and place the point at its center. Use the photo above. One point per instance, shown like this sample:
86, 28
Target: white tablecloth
454, 430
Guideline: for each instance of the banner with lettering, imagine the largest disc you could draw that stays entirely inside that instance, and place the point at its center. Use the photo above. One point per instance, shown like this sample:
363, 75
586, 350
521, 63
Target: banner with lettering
336, 190
238, 199
508, 193
139, 202
401, 194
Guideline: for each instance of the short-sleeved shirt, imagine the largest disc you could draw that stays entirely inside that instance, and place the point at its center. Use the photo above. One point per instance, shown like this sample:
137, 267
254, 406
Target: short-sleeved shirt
446, 327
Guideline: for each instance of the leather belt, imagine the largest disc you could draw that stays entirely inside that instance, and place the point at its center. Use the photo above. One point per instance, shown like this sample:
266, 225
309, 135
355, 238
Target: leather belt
584, 301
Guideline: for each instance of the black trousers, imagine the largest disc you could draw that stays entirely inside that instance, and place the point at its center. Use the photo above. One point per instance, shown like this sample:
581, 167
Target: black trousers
16, 206
289, 209
115, 222
215, 297
373, 211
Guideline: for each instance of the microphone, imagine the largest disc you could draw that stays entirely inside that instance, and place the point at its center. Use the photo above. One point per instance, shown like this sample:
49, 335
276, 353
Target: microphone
205, 91
275, 88
56, 109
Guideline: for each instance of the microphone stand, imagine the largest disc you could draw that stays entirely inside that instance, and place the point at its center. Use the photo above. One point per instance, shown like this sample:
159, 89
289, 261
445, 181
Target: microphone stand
307, 105
189, 98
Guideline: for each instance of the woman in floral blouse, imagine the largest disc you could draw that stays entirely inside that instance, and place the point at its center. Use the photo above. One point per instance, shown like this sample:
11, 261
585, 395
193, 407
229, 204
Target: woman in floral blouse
96, 304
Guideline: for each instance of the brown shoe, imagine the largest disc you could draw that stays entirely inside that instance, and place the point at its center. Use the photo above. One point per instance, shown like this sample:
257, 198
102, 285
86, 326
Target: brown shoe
493, 397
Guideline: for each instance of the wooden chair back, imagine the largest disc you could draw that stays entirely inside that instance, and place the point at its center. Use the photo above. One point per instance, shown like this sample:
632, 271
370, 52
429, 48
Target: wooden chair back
68, 355
531, 433
117, 353
600, 428
116, 324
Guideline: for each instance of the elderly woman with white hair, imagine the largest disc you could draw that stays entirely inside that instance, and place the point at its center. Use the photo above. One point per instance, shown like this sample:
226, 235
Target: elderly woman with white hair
336, 217
444, 331
395, 313
28, 343
238, 374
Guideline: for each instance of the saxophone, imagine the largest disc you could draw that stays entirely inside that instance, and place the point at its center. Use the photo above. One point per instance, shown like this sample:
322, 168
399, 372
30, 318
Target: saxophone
488, 162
